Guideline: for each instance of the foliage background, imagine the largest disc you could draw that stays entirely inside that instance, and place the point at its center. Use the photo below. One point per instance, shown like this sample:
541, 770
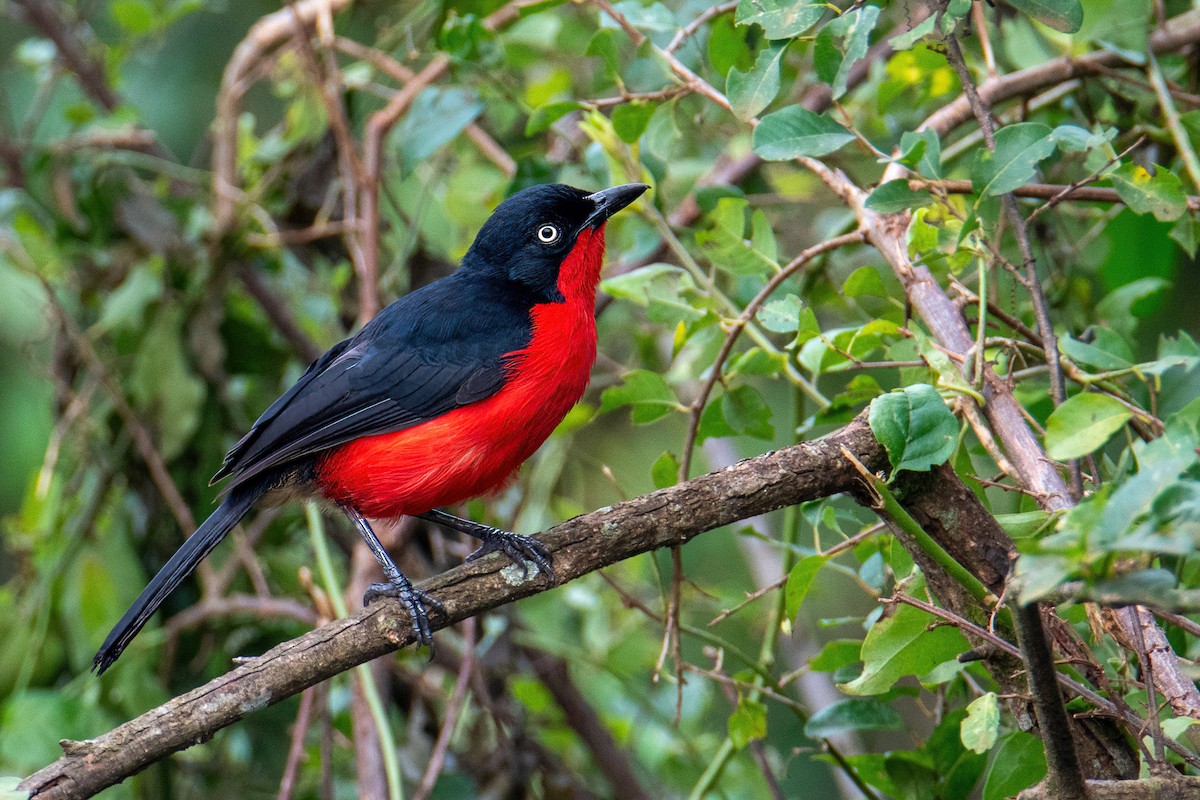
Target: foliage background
140, 325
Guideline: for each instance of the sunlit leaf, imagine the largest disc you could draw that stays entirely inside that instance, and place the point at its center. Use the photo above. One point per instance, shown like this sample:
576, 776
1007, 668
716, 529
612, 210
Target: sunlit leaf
1083, 424
982, 724
1019, 148
752, 91
1160, 194
780, 19
915, 427
795, 131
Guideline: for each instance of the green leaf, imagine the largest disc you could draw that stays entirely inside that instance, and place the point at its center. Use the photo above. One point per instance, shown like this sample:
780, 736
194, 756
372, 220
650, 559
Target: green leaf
1160, 194
1061, 15
725, 240
901, 644
747, 413
982, 724
794, 131
781, 316
665, 471
922, 151
863, 282
1107, 350
1020, 762
906, 40
750, 92
748, 722
436, 117
853, 714
1019, 148
841, 43
1083, 424
896, 196
630, 119
836, 653
915, 427
646, 391
780, 19
799, 580
545, 116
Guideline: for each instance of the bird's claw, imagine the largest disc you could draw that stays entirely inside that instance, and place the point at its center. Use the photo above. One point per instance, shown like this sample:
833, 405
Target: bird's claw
414, 600
521, 549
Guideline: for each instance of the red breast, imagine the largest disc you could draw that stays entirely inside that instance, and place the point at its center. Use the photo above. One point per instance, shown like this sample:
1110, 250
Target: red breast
475, 449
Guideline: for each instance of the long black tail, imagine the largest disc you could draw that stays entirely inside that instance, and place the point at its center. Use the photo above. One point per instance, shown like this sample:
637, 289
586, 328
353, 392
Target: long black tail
180, 565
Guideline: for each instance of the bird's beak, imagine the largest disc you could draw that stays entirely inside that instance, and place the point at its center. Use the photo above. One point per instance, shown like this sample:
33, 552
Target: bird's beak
610, 201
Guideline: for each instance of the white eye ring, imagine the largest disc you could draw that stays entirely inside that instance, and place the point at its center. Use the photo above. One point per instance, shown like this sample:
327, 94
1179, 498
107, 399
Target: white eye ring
548, 234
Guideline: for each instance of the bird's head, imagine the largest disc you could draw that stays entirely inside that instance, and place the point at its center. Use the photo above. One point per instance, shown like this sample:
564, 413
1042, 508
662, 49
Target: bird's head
539, 234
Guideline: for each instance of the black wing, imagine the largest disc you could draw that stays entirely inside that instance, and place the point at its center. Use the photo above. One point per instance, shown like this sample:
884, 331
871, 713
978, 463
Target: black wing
434, 350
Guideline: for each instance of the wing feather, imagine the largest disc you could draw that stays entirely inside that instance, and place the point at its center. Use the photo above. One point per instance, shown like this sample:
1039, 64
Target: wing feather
420, 358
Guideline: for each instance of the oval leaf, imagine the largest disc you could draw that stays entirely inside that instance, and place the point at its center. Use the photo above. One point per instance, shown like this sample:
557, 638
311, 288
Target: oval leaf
1019, 148
794, 131
1062, 15
982, 724
914, 426
1083, 424
854, 714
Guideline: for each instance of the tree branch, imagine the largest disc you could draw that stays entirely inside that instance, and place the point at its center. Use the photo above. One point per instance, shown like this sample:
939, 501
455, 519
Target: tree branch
585, 544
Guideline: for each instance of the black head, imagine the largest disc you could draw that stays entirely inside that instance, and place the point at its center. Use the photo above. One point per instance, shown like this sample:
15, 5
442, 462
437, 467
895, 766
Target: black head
530, 234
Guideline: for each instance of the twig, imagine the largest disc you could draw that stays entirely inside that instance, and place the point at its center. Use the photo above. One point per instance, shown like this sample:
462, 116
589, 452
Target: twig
291, 768
454, 706
735, 329
690, 29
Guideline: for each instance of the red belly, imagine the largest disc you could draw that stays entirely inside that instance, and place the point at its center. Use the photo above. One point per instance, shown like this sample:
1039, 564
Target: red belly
475, 449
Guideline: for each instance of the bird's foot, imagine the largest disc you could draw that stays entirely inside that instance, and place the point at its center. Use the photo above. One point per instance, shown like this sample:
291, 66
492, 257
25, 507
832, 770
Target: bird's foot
416, 601
521, 549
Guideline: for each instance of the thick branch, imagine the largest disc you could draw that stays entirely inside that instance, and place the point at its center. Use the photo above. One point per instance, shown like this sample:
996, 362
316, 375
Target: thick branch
667, 517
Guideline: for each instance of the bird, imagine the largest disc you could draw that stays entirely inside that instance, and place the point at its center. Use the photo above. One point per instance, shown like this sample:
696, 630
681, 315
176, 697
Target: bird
439, 398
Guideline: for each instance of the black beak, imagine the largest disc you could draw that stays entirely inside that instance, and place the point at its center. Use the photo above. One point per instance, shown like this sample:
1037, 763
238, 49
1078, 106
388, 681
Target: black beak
610, 201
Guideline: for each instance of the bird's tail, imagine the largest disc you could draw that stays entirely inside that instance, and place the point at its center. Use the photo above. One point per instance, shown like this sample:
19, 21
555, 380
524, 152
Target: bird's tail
180, 565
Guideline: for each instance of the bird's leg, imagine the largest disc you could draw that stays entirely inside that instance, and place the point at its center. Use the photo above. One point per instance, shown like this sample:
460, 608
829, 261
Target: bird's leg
396, 585
521, 549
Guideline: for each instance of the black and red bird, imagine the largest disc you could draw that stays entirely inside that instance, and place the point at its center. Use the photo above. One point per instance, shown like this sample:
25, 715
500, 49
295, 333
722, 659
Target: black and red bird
438, 399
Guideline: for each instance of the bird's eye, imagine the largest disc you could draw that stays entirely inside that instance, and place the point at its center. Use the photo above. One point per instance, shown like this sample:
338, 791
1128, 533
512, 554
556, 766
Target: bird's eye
548, 234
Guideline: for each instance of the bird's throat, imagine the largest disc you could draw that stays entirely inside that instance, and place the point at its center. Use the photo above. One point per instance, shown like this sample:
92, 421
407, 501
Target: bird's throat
580, 271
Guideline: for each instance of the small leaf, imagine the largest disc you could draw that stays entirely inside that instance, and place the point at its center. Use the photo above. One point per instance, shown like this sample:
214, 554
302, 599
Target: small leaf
926, 160
982, 725
1083, 424
1020, 762
1065, 16
901, 644
1160, 194
915, 427
863, 282
836, 653
896, 196
646, 391
1107, 350
665, 471
1019, 148
799, 580
545, 116
750, 92
436, 116
630, 119
780, 19
795, 131
747, 723
781, 316
854, 714
841, 43
747, 413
